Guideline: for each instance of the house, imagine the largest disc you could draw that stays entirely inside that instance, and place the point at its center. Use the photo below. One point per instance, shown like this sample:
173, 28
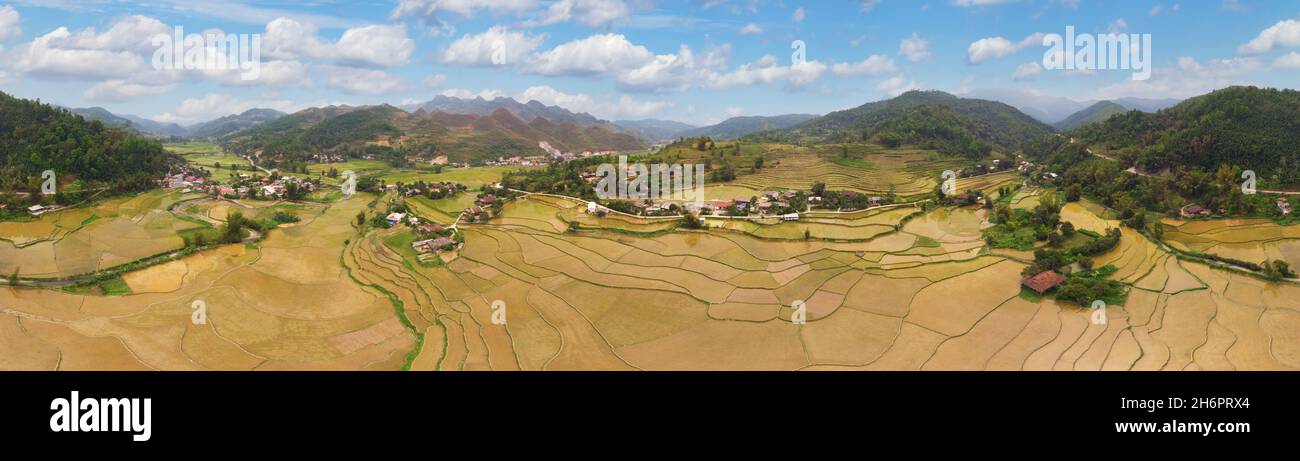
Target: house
875, 201
1194, 211
790, 217
431, 228
432, 245
1044, 281
592, 207
1283, 206
474, 210
36, 210
394, 218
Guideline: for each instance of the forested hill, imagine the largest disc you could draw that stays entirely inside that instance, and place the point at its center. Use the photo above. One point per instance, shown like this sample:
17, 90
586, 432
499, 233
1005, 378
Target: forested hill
932, 119
35, 137
1252, 128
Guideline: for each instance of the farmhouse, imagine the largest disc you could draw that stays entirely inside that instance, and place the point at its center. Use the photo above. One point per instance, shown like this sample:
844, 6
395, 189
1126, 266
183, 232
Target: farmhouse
36, 210
790, 217
1283, 206
394, 218
1194, 211
432, 245
1044, 281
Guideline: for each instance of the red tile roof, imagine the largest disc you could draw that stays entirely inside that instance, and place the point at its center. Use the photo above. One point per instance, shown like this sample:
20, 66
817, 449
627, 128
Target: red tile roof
1044, 281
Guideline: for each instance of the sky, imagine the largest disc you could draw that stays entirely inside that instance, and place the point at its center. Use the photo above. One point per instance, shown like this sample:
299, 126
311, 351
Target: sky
693, 61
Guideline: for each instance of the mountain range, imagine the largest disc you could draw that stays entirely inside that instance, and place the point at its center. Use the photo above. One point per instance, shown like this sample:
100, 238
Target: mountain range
389, 132
930, 119
1053, 109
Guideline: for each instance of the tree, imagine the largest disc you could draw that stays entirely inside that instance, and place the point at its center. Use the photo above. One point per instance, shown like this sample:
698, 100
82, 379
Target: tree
818, 188
361, 218
1067, 229
231, 230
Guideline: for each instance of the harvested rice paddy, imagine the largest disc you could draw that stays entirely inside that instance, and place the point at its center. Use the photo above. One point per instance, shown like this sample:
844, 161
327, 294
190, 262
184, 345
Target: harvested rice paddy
883, 289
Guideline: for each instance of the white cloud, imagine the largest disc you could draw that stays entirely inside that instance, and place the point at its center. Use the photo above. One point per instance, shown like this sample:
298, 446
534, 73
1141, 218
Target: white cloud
374, 45
767, 70
215, 105
896, 85
969, 3
86, 53
1285, 34
435, 81
624, 107
997, 47
800, 15
751, 29
1288, 61
1027, 71
593, 13
467, 94
278, 73
9, 23
1188, 78
735, 111
121, 90
914, 49
868, 5
354, 80
594, 55
431, 12
1117, 27
877, 64
510, 46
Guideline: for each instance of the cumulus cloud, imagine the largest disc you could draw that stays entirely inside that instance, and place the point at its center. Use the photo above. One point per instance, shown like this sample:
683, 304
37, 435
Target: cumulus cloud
214, 105
751, 29
597, 54
985, 49
896, 85
767, 70
354, 80
507, 46
592, 13
1188, 78
914, 49
434, 81
875, 65
623, 107
1027, 71
467, 94
9, 23
1288, 61
1285, 34
969, 3
370, 46
431, 12
122, 90
116, 52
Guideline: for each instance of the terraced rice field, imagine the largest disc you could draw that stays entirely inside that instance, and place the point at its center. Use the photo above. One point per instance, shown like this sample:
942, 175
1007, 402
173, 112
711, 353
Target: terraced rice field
624, 294
1253, 240
909, 172
82, 240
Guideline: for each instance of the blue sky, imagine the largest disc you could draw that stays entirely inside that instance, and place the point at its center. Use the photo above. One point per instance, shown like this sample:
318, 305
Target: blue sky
694, 61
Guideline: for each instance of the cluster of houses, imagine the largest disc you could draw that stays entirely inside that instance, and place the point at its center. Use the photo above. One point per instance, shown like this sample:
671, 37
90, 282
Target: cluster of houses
245, 186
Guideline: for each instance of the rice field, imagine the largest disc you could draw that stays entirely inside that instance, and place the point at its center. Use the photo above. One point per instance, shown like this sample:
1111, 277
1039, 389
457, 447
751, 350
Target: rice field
886, 289
908, 172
